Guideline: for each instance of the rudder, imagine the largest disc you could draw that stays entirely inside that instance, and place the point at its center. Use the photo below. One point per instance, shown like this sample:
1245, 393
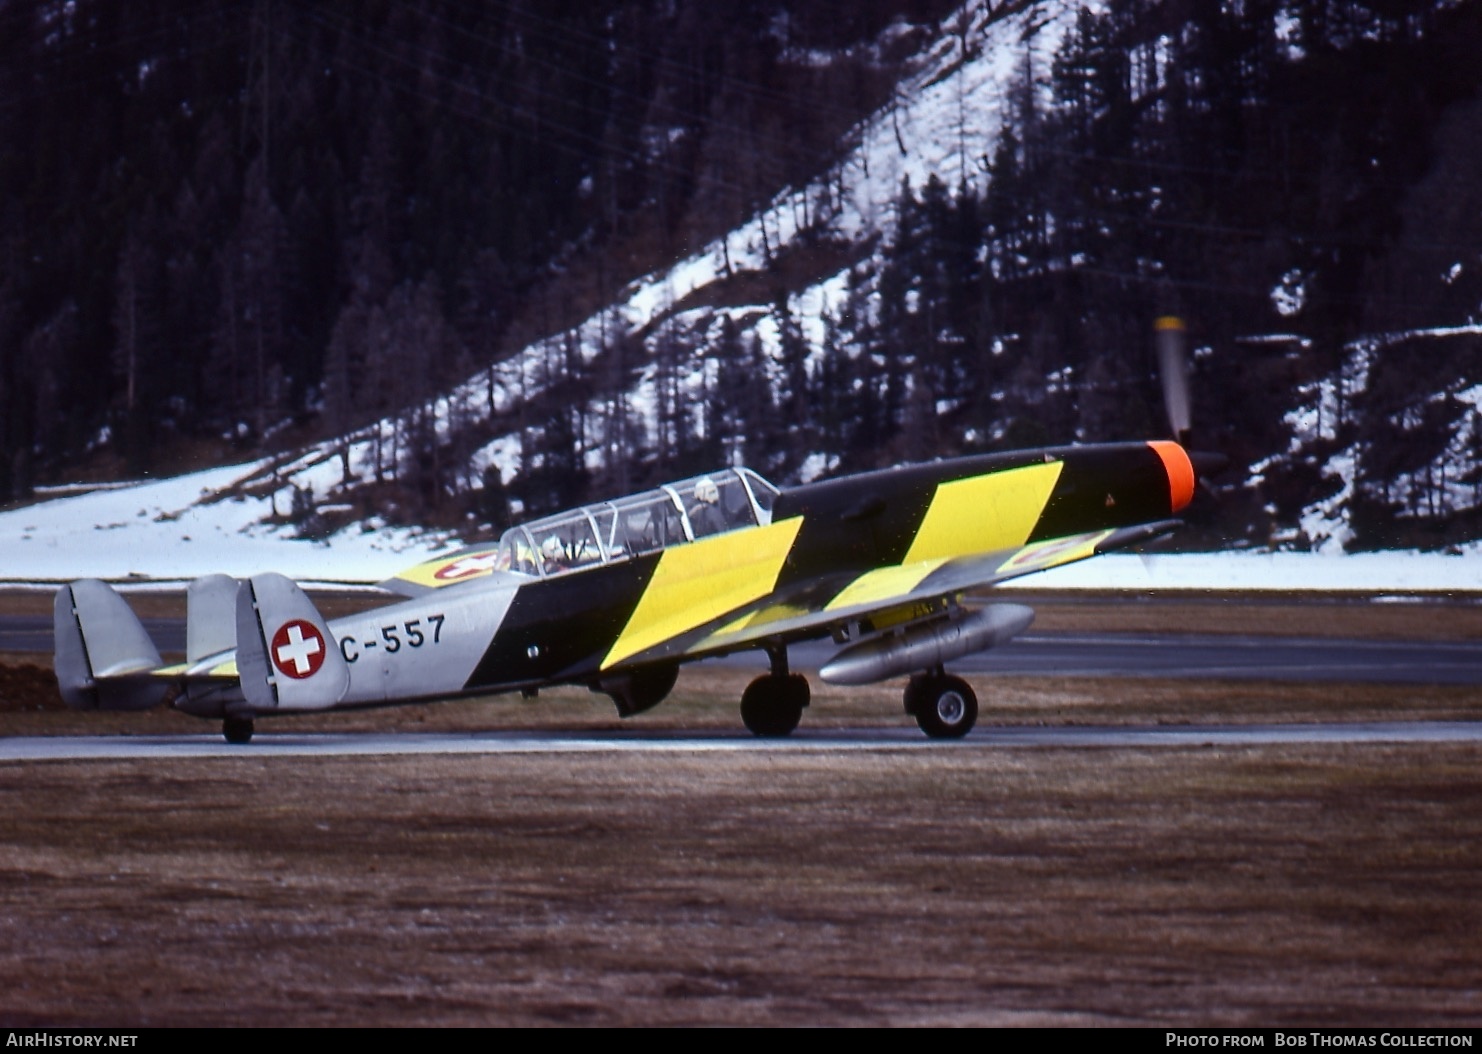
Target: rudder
287, 658
210, 618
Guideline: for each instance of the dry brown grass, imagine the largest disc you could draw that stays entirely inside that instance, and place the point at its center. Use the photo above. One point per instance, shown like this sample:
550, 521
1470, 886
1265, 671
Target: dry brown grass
1285, 885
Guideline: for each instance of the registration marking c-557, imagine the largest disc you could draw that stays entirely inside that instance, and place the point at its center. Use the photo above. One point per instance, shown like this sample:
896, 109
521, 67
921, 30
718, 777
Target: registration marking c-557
391, 638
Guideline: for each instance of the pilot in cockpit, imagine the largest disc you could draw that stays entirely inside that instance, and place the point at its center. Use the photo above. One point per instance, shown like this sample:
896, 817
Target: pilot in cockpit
706, 516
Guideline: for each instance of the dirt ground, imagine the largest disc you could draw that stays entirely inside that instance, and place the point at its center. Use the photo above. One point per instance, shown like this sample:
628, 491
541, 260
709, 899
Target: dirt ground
952, 884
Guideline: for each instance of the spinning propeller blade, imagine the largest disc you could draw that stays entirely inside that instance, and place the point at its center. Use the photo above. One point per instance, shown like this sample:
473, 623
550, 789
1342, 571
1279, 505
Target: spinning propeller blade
1173, 370
1171, 335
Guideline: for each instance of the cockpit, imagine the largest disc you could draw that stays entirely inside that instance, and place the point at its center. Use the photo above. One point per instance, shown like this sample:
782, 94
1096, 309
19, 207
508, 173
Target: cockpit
610, 531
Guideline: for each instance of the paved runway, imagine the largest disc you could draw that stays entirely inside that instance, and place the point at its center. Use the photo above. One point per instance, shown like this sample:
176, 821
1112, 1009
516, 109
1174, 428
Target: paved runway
33, 633
371, 744
1205, 656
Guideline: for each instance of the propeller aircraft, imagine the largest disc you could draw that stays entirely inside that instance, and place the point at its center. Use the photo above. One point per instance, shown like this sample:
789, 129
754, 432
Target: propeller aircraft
616, 595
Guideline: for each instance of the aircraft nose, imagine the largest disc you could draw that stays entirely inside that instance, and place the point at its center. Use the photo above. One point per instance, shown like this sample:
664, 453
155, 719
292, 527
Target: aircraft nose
1180, 473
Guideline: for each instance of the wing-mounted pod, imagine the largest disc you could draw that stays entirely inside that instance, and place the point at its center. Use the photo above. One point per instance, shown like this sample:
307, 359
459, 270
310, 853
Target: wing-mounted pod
105, 660
928, 645
286, 656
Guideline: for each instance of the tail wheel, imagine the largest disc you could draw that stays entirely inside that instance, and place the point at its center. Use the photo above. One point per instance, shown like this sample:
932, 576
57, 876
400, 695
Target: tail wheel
237, 729
773, 704
944, 706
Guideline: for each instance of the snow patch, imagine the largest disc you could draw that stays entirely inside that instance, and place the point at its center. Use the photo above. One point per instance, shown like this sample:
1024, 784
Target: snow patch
1396, 572
188, 526
1318, 422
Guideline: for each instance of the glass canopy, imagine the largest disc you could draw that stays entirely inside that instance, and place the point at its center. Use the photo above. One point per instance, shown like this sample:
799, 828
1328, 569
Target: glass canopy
609, 531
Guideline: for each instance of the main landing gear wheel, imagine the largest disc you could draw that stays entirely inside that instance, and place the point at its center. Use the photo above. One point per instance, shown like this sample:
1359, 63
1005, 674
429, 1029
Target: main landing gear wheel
944, 706
772, 705
237, 729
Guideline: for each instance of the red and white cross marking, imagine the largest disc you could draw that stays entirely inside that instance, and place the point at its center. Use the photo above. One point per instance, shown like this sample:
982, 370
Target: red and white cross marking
468, 566
1044, 554
298, 649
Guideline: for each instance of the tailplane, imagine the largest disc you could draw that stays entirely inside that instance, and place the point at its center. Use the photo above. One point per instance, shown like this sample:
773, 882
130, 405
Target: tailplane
105, 659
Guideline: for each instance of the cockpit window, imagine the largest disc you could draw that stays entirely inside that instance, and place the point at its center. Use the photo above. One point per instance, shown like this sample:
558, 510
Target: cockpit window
763, 494
566, 543
715, 504
517, 553
645, 522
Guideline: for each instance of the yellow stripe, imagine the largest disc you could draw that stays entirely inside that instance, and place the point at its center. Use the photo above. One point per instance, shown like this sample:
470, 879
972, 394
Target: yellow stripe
698, 583
885, 583
751, 623
905, 613
983, 513
736, 626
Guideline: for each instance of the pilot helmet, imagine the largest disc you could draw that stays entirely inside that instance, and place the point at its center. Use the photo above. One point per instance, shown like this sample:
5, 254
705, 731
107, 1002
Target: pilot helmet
706, 492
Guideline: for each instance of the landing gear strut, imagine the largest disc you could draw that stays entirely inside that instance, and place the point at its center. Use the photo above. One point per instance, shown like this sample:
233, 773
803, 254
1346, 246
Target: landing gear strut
237, 729
773, 704
944, 706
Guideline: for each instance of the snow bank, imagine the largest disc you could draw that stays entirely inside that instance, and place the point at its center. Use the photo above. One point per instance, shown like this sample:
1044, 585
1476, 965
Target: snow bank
1391, 572
188, 526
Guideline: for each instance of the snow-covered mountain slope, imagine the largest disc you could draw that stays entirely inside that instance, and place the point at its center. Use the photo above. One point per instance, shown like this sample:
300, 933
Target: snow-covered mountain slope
1344, 416
943, 123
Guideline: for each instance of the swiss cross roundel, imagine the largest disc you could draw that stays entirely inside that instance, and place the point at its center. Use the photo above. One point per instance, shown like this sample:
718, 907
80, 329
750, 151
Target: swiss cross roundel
468, 566
298, 649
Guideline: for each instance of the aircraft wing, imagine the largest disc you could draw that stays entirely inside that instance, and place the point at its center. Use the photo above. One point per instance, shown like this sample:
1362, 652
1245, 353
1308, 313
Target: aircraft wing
885, 595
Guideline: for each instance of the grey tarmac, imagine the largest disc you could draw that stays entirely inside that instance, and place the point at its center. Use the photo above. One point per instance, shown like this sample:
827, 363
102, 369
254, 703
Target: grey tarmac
297, 745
